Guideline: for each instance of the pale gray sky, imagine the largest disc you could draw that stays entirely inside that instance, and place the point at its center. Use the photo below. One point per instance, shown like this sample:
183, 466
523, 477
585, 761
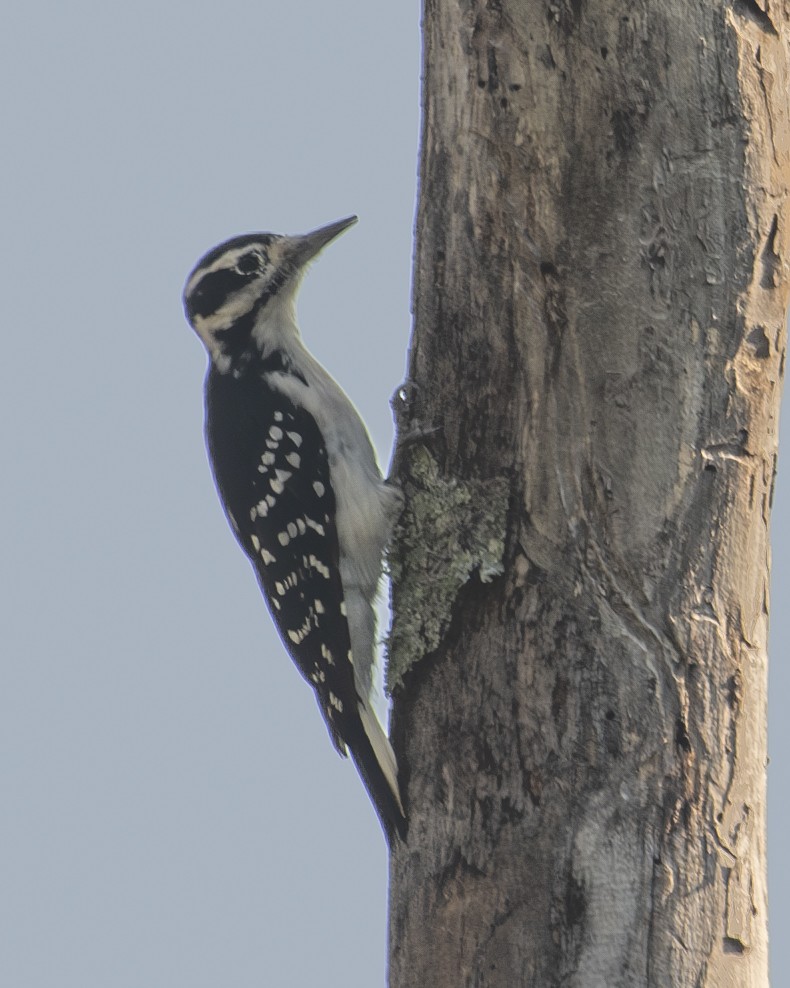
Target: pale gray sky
173, 813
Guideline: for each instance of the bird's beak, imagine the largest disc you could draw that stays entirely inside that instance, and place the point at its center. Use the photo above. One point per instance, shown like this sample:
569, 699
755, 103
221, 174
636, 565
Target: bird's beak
307, 246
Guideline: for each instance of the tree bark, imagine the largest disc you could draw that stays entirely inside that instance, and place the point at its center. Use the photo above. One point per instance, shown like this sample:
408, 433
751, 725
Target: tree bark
600, 295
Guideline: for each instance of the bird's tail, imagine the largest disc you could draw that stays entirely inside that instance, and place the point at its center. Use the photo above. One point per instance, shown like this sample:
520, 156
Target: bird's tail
376, 764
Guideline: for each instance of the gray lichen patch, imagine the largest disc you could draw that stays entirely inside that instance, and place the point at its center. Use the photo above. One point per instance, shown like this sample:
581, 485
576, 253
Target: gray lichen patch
449, 531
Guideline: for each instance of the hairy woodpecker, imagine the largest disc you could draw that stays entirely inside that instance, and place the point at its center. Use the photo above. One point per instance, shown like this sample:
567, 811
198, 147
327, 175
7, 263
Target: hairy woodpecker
299, 482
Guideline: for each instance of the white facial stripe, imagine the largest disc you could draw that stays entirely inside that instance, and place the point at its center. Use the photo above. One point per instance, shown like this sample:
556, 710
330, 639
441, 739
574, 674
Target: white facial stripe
239, 304
227, 261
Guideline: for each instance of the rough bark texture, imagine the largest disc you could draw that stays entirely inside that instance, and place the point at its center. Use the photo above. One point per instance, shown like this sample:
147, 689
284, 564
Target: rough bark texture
601, 287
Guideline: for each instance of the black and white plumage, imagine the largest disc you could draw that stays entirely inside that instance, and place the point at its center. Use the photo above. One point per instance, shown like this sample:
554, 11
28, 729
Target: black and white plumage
299, 482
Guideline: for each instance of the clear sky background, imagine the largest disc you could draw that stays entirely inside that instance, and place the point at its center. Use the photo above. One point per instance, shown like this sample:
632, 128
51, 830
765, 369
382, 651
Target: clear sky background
172, 811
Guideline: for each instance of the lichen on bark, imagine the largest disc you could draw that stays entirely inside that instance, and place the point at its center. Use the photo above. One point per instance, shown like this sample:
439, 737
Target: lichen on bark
450, 531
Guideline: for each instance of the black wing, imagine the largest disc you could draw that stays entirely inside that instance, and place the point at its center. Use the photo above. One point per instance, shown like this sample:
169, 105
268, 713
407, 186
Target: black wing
272, 472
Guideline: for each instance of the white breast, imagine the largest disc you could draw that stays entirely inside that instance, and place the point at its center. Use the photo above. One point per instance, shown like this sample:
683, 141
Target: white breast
365, 505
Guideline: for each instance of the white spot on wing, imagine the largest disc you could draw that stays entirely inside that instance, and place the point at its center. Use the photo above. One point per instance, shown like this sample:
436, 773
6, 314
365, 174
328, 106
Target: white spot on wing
319, 567
295, 438
299, 635
275, 432
294, 459
319, 488
315, 526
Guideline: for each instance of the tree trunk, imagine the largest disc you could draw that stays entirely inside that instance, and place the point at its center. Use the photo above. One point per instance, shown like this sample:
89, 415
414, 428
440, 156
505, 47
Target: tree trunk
581, 577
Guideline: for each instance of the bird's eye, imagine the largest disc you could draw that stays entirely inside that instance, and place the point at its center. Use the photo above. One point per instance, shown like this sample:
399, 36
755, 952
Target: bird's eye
249, 263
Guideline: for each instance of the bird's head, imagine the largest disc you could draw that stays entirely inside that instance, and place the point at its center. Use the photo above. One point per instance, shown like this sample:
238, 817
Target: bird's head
245, 288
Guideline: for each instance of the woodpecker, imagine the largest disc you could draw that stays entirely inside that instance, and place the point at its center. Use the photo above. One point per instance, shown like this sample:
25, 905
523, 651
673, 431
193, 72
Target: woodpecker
299, 482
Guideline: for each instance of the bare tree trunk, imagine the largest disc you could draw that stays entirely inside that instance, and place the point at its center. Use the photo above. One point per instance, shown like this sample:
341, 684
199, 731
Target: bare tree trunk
581, 580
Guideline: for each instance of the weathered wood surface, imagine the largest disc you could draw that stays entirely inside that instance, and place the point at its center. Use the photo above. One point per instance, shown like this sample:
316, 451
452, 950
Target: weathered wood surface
600, 294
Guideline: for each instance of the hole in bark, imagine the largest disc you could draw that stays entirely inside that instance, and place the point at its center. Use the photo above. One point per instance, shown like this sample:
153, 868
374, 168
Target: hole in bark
759, 343
575, 904
770, 259
547, 269
752, 11
733, 946
604, 52
610, 714
547, 58
681, 736
493, 69
559, 697
623, 129
710, 467
510, 812
503, 103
